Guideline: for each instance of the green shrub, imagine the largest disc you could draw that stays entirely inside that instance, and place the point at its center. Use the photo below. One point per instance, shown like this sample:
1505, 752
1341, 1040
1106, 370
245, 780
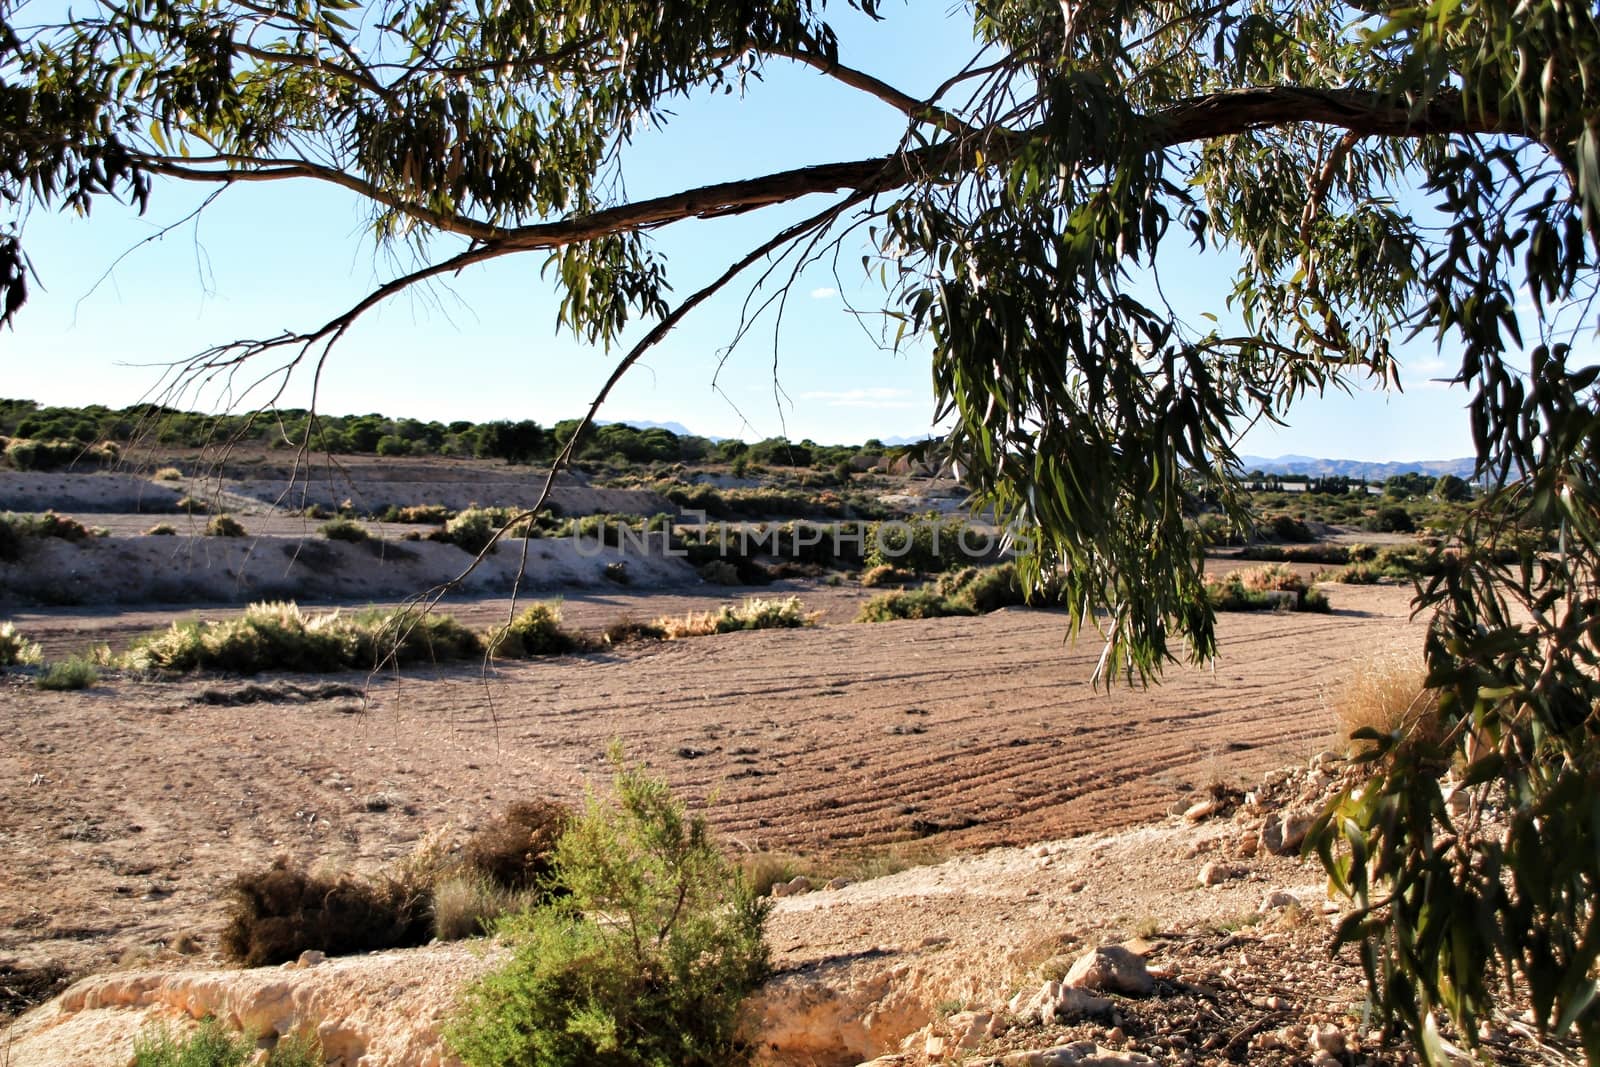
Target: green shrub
1289, 528
420, 515
162, 529
924, 603
194, 505
470, 530
224, 526
1392, 519
344, 530
213, 1045
720, 572
886, 574
647, 962
169, 474
75, 672
30, 455
536, 632
617, 571
280, 637
1335, 554
15, 650
1264, 589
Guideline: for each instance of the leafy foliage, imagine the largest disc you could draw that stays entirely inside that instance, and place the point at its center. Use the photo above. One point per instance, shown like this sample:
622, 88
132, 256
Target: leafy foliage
213, 1045
75, 672
536, 632
646, 963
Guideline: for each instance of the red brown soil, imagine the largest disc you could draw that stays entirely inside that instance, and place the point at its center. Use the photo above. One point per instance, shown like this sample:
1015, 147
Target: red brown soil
129, 807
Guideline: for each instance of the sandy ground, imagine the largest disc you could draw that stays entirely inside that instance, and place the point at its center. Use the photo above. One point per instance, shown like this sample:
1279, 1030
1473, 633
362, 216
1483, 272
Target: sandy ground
129, 807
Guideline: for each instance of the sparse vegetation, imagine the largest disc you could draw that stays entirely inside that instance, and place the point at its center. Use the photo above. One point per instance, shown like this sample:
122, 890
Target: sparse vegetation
969, 591
536, 632
213, 1045
16, 650
162, 529
886, 574
224, 526
347, 530
754, 613
646, 963
1270, 588
193, 505
169, 474
279, 636
75, 672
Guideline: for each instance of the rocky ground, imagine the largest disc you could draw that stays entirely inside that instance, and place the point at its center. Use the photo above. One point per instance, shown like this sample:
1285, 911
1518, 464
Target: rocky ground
1201, 939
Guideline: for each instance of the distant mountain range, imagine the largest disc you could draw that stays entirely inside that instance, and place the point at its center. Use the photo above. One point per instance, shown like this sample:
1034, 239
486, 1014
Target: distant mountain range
1355, 468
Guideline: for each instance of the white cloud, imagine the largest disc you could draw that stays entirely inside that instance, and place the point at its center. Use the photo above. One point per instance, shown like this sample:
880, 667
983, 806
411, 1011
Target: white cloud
827, 292
877, 399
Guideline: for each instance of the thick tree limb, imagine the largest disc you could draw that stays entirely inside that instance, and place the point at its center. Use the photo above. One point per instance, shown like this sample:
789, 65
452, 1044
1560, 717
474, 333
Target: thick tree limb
1221, 114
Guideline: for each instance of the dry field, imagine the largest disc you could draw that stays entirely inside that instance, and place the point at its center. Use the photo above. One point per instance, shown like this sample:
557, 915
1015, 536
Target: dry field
129, 807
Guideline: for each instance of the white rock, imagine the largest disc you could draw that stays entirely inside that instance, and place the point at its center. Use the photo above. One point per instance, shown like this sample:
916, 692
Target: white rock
1201, 810
1216, 872
309, 958
1279, 898
1328, 1039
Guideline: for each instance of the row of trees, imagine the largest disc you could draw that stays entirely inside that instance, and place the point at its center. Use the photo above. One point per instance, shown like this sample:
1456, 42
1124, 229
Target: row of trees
522, 441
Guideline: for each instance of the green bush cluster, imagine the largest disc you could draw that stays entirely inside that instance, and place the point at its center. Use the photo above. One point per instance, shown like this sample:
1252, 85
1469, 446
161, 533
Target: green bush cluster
26, 454
280, 637
969, 591
1260, 589
213, 1045
347, 530
224, 526
1289, 528
645, 964
74, 672
16, 529
536, 632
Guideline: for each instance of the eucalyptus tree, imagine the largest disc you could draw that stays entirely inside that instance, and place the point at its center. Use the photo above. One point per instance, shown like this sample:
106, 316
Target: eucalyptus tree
1370, 171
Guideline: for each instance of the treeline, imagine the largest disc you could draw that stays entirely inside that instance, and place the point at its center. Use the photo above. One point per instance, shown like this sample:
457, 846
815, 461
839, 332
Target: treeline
73, 430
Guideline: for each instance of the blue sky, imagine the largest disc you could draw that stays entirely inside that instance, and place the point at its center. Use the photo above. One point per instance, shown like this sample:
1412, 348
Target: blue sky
274, 256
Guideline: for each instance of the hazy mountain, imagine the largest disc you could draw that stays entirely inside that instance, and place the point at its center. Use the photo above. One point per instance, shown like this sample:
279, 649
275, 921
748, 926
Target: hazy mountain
1355, 468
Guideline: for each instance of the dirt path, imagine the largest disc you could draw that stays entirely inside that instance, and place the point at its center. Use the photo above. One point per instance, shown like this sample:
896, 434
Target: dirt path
129, 807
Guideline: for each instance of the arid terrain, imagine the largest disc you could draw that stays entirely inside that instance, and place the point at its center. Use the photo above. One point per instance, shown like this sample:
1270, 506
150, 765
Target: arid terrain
842, 748
131, 805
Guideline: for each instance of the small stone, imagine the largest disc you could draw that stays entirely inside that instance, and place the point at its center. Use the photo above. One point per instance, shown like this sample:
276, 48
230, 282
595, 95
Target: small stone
1217, 872
309, 958
793, 887
1279, 898
836, 883
1283, 835
1329, 1039
1110, 968
1202, 810
933, 1048
1115, 1037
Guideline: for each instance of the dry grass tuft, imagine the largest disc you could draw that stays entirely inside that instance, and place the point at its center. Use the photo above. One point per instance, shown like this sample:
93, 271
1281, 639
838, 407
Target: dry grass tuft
755, 613
516, 849
1386, 694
